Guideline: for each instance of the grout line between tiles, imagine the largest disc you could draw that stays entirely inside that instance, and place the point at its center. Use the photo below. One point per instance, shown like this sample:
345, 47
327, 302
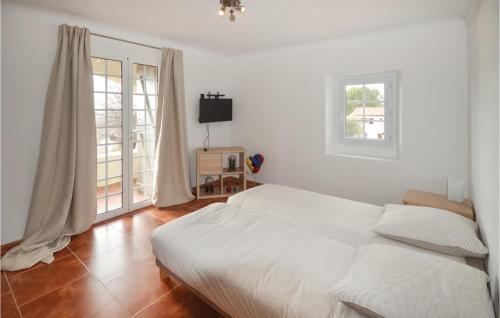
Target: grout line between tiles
156, 216
102, 284
91, 273
156, 300
53, 290
131, 238
12, 293
124, 273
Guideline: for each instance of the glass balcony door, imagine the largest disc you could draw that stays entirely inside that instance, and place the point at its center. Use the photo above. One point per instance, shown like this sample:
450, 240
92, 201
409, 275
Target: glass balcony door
125, 101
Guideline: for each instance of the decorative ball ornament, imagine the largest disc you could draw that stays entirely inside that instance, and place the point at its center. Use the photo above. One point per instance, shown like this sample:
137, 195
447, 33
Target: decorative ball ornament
255, 162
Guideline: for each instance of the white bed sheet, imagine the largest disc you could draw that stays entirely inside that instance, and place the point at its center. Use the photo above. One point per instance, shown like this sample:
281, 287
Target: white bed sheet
347, 221
252, 265
272, 251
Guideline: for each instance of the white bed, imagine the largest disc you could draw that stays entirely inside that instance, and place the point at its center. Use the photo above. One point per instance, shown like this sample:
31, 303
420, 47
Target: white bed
272, 251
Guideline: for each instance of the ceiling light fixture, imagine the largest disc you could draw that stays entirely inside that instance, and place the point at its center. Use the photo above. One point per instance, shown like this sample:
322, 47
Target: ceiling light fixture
232, 6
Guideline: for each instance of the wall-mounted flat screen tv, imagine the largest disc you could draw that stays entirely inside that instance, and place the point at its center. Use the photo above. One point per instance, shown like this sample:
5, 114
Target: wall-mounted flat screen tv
215, 110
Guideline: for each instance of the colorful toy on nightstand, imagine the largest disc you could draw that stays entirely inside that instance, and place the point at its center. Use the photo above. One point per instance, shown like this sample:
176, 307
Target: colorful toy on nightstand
254, 163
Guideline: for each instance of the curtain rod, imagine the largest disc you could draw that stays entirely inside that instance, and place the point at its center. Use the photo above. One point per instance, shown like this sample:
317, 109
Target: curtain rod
126, 41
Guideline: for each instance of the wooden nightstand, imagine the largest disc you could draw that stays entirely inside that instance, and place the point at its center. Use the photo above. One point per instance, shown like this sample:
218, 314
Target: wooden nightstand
433, 200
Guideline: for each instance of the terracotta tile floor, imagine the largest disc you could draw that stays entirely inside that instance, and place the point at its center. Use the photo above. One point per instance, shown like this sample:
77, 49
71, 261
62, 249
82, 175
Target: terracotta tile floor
108, 271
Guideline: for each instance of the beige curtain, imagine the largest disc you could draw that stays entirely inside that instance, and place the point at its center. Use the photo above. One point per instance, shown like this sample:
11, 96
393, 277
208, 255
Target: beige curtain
63, 202
171, 180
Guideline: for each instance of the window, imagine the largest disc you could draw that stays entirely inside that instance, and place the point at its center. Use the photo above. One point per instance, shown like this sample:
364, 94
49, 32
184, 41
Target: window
144, 83
107, 76
361, 115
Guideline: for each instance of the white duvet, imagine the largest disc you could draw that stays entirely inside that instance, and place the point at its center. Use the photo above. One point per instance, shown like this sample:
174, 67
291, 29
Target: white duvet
272, 251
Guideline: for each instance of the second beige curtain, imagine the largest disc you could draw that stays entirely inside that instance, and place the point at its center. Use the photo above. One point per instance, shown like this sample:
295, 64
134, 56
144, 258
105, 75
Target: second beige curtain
63, 202
171, 180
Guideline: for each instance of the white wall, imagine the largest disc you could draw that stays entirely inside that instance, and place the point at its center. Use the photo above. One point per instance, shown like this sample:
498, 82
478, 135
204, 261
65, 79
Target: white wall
203, 75
29, 39
280, 111
484, 132
279, 107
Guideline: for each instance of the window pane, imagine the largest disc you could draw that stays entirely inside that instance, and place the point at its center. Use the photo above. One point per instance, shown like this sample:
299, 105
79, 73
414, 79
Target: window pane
150, 133
139, 134
375, 111
374, 92
149, 163
101, 171
98, 66
150, 117
139, 163
114, 202
142, 179
99, 100
101, 153
99, 83
137, 87
148, 191
114, 168
151, 101
101, 205
115, 135
150, 147
354, 110
148, 177
354, 92
100, 189
139, 117
139, 195
150, 87
114, 84
138, 70
114, 185
114, 152
374, 130
138, 180
114, 101
114, 68
138, 148
101, 136
138, 101
375, 103
354, 129
100, 119
114, 118
151, 72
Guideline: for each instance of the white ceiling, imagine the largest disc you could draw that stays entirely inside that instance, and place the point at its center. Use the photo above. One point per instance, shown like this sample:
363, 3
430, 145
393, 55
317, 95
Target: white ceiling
266, 24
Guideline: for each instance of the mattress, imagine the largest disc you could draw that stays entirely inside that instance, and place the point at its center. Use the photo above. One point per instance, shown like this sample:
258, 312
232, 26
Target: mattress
340, 219
272, 251
251, 265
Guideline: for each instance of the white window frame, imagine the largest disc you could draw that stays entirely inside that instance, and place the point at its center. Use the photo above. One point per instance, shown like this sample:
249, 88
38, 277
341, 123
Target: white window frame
336, 141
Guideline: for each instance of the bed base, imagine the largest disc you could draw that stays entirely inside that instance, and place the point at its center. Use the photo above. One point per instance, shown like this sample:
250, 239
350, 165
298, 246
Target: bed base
165, 273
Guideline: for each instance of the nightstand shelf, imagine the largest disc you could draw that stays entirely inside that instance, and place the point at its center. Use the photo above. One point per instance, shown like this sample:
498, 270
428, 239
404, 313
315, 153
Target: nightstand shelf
439, 201
211, 163
238, 170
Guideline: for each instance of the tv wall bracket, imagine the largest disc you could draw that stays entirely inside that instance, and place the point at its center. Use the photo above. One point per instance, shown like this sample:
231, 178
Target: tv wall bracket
210, 95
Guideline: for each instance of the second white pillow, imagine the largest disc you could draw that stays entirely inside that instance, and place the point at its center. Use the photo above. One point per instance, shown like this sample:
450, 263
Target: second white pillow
433, 229
394, 282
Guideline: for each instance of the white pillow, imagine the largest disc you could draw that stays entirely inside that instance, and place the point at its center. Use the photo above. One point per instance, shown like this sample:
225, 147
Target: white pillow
393, 282
432, 229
